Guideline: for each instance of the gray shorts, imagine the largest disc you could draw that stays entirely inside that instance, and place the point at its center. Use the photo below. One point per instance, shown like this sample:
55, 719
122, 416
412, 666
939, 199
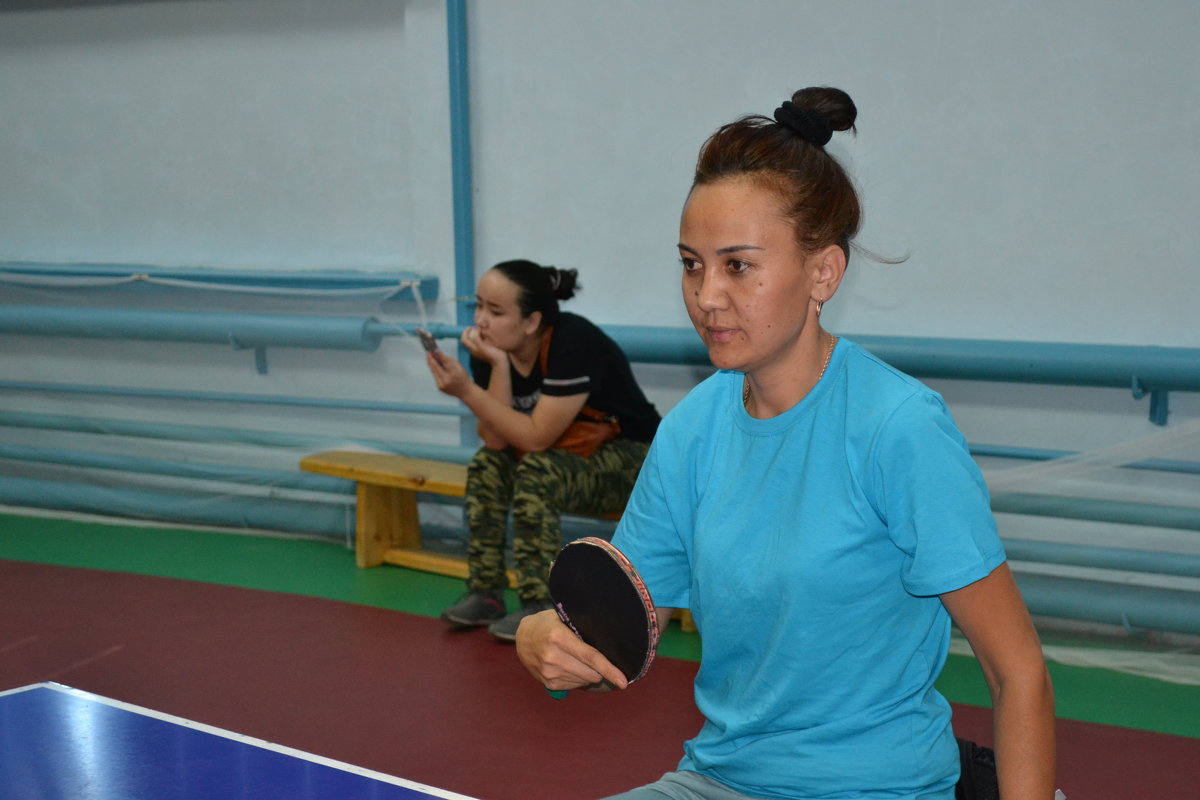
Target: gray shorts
686, 785
683, 785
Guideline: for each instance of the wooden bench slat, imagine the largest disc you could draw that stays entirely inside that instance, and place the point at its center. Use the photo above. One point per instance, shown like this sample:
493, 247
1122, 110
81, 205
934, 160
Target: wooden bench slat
437, 563
387, 469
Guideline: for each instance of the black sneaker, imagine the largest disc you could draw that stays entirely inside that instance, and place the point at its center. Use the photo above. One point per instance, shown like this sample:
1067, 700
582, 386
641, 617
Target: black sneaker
474, 609
506, 629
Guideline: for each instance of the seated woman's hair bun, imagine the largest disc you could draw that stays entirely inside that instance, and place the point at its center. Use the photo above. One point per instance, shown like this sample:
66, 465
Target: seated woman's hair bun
563, 282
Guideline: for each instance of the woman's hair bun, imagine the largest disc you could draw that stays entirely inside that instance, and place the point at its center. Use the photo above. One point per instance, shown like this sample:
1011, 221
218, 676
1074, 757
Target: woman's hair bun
833, 105
563, 282
815, 113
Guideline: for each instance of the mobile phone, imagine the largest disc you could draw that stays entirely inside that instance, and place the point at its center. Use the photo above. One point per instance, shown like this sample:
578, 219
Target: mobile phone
427, 341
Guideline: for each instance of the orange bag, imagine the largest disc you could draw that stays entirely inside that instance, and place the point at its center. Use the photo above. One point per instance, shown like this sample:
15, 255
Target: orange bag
588, 432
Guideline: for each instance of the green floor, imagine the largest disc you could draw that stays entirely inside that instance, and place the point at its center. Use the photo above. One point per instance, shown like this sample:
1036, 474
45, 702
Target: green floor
325, 569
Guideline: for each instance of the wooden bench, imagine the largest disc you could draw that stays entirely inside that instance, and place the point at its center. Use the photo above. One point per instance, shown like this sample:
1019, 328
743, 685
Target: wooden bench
387, 524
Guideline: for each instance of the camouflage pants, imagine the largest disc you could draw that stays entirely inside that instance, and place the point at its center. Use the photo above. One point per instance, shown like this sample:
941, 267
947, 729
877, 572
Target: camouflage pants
538, 488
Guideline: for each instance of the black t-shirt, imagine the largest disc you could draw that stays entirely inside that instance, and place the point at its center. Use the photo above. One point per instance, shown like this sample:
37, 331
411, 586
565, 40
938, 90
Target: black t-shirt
583, 360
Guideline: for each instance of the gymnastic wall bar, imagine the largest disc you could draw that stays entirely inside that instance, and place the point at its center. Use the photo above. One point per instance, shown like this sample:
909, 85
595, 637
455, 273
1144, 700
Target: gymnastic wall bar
244, 436
404, 285
1117, 366
1141, 368
212, 327
1132, 607
1155, 515
1123, 605
190, 395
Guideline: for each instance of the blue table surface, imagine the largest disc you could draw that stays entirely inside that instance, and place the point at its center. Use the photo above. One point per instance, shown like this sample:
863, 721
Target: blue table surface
58, 743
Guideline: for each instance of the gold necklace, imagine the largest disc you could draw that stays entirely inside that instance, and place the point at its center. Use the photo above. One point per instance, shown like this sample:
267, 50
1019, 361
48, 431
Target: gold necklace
824, 366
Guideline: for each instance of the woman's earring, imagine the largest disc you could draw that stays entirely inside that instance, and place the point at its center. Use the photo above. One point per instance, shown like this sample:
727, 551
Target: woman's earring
820, 305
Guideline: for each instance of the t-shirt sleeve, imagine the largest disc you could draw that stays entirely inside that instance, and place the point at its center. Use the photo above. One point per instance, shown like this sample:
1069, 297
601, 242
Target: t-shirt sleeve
573, 362
651, 531
934, 499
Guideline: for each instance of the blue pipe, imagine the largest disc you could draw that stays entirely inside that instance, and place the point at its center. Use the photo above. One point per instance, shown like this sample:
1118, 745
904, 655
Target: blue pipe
1018, 549
1133, 607
1039, 454
238, 330
1164, 563
227, 397
1149, 369
1118, 558
1093, 510
152, 466
650, 345
323, 280
234, 512
461, 172
979, 450
1118, 366
1130, 607
462, 177
194, 433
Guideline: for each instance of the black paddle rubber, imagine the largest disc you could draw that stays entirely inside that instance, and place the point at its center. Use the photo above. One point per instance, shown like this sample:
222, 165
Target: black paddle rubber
601, 597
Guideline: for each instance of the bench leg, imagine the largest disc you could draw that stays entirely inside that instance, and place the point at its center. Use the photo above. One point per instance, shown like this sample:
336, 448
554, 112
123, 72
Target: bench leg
386, 518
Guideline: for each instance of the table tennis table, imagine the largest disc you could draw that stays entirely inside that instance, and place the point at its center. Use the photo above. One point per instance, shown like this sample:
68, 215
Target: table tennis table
60, 743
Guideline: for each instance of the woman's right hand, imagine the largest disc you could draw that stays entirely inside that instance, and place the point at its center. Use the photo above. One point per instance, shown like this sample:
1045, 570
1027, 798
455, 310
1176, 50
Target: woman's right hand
451, 377
558, 659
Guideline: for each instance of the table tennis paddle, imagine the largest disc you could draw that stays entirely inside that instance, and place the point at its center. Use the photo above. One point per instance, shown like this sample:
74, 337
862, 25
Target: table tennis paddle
600, 596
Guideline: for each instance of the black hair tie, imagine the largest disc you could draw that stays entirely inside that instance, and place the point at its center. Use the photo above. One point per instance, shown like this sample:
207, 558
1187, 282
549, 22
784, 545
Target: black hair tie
808, 125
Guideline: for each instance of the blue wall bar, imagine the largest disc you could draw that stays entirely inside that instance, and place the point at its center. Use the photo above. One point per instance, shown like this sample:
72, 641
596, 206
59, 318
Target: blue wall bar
178, 507
1117, 558
196, 433
1119, 366
1092, 510
231, 397
1133, 607
236, 330
461, 175
303, 481
144, 276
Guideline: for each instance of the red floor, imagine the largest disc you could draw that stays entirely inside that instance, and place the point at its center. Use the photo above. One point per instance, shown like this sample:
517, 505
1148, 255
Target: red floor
398, 693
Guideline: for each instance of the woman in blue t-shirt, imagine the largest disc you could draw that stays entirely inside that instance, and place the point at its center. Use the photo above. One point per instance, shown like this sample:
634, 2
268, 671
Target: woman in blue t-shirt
818, 512
564, 425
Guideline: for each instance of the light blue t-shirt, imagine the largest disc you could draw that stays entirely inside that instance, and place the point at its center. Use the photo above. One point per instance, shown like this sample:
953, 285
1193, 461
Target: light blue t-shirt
810, 548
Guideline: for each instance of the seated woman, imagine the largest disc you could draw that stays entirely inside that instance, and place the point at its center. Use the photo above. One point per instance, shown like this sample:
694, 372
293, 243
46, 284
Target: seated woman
537, 373
817, 510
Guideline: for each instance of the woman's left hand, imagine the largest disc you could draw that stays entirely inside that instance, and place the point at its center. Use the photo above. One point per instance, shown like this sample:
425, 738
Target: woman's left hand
475, 344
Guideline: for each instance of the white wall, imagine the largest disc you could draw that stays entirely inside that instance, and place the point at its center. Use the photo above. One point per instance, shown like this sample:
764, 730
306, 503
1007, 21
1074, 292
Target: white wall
1035, 160
255, 134
241, 134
